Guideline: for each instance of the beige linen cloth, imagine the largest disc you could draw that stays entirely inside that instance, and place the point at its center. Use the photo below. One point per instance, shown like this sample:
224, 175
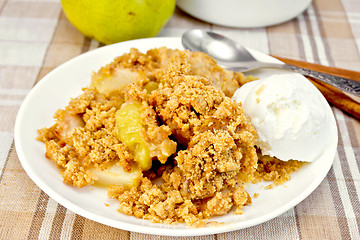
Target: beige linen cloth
35, 37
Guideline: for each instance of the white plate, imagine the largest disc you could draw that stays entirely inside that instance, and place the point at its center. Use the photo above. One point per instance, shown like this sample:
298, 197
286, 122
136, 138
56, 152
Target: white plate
55, 90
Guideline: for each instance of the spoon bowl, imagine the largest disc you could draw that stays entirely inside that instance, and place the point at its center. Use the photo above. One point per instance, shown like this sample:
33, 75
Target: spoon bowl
225, 51
219, 47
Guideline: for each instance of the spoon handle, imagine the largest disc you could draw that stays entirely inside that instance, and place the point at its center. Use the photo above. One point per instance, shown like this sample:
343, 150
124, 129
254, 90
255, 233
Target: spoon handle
354, 75
345, 84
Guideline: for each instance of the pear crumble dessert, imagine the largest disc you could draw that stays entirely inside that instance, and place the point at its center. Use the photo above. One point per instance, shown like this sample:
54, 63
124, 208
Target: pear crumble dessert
160, 131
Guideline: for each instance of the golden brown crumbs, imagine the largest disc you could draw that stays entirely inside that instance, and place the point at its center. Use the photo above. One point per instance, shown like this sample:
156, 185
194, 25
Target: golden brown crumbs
199, 142
274, 170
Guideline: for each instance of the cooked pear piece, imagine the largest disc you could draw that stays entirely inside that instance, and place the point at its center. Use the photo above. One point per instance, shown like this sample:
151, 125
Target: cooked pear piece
66, 122
109, 79
115, 175
130, 132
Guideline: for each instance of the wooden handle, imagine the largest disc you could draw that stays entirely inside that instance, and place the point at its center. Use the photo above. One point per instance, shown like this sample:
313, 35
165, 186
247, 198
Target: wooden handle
332, 94
321, 68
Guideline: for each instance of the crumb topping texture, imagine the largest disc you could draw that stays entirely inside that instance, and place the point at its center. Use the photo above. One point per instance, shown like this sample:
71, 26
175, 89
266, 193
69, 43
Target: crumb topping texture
200, 146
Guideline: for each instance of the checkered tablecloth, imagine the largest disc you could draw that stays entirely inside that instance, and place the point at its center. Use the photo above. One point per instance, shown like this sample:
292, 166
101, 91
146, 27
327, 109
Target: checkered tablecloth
36, 37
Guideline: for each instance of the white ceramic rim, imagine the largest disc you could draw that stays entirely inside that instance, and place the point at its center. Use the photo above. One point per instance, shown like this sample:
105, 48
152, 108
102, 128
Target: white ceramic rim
244, 14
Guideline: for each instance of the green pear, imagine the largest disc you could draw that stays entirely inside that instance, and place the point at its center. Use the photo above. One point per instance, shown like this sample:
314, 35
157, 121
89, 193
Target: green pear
111, 21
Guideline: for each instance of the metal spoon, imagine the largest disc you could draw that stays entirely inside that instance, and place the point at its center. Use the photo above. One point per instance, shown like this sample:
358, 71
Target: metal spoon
235, 57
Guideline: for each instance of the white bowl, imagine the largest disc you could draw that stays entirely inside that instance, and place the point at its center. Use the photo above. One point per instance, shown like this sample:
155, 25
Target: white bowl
244, 13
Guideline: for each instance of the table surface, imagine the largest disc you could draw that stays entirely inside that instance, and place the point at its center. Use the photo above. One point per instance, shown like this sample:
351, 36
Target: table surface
36, 37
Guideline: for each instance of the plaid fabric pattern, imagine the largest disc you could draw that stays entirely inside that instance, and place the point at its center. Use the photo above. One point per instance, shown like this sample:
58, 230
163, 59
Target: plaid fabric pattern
35, 37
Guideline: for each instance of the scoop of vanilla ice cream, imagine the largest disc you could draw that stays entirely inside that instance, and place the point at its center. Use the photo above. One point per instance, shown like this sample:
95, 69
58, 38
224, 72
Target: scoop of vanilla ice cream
289, 114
